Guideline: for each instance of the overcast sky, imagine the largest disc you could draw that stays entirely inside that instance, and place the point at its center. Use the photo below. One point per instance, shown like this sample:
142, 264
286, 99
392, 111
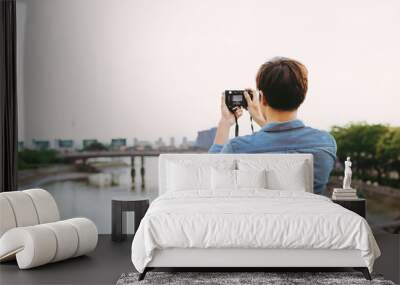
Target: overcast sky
151, 68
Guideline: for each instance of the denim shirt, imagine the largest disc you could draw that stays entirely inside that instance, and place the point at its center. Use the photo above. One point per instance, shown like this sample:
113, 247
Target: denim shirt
289, 137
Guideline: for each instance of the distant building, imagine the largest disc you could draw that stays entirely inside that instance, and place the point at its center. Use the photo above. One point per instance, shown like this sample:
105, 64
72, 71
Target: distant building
192, 144
64, 144
141, 145
205, 138
172, 142
159, 144
186, 144
118, 144
41, 144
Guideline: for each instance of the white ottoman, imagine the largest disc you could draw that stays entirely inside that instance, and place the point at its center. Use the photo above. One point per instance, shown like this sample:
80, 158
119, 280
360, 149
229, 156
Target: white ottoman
31, 233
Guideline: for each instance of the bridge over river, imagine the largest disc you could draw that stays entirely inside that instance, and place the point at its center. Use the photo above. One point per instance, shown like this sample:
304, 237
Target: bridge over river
85, 155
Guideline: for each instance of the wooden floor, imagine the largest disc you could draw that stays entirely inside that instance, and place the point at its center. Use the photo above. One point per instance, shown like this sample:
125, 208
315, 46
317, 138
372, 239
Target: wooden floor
103, 266
111, 259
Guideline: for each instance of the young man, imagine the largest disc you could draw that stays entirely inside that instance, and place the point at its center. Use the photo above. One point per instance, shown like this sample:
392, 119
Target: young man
282, 87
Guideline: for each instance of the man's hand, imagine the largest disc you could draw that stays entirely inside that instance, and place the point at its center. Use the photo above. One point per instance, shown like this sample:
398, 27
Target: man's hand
227, 117
253, 106
226, 122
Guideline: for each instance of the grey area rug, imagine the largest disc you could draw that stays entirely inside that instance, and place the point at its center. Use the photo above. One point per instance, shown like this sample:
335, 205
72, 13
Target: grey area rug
228, 278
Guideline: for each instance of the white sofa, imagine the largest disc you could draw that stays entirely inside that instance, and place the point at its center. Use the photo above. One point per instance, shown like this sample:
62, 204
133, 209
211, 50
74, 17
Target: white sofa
31, 230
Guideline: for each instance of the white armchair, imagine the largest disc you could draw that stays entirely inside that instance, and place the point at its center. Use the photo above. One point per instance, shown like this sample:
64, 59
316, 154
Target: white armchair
31, 230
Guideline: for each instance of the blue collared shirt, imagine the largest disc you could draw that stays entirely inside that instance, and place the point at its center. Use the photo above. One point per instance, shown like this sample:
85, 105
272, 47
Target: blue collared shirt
289, 137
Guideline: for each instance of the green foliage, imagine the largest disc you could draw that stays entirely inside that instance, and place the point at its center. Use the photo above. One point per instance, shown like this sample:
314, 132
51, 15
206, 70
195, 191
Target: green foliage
374, 149
95, 146
388, 150
29, 158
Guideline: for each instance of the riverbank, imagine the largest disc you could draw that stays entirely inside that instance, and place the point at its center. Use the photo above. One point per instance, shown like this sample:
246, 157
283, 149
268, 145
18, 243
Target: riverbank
33, 178
383, 202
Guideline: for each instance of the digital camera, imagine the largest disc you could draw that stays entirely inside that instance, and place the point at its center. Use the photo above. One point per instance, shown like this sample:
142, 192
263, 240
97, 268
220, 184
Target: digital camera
235, 98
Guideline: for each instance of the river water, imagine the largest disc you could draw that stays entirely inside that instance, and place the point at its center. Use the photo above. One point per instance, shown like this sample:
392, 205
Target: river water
79, 198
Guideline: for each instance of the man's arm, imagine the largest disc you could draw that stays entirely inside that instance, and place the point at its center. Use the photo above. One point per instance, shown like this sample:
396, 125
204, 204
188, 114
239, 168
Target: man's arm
219, 148
221, 139
222, 135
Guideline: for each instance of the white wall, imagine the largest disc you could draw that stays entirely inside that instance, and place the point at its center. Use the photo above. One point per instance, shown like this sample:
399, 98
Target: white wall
150, 68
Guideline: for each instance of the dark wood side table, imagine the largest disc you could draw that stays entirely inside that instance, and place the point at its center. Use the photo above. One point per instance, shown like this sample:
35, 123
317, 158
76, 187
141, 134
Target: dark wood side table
126, 204
358, 206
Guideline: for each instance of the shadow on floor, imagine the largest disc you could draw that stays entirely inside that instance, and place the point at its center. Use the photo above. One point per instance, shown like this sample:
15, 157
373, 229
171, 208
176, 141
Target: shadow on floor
111, 259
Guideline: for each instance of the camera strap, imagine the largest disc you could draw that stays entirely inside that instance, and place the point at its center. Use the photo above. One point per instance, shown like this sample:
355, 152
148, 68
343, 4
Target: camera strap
237, 125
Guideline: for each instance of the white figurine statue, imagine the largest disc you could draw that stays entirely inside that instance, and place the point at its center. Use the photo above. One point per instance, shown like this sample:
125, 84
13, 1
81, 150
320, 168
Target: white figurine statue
347, 174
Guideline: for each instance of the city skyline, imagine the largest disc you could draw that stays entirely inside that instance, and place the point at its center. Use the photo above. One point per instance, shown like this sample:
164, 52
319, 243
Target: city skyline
134, 142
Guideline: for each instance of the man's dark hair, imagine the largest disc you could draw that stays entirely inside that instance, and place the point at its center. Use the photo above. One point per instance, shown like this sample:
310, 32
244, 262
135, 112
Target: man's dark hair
283, 82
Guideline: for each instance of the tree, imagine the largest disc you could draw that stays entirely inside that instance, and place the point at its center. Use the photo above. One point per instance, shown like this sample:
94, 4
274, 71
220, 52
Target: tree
359, 141
95, 146
388, 150
29, 158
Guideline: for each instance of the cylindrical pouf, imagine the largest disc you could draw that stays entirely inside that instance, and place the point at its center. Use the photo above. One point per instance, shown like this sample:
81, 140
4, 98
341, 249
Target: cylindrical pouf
37, 245
67, 239
45, 205
23, 208
7, 218
33, 246
87, 234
